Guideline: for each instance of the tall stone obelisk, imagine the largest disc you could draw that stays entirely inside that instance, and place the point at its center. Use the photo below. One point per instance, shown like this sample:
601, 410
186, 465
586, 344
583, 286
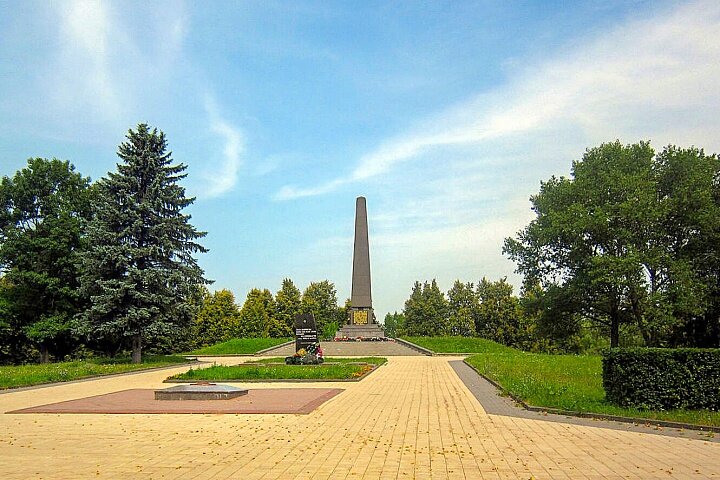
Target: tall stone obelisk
361, 311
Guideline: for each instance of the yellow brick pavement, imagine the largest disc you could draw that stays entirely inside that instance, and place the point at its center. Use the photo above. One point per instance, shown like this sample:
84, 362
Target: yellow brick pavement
412, 418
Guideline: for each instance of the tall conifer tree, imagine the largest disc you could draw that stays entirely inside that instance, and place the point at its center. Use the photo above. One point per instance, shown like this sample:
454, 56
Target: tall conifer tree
138, 269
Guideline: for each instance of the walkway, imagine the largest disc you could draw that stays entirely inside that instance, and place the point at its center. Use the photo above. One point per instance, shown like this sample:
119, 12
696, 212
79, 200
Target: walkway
351, 349
412, 418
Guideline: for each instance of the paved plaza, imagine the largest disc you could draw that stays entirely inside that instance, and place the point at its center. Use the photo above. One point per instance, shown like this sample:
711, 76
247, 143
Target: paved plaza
412, 418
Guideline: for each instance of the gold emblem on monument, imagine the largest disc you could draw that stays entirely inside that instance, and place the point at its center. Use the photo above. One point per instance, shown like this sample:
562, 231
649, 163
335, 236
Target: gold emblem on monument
360, 317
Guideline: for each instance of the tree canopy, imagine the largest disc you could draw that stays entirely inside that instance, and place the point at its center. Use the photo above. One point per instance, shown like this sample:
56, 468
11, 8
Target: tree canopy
43, 212
630, 238
139, 269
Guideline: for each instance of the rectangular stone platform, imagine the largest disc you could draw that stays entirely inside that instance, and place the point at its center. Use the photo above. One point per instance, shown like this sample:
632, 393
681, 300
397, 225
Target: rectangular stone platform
200, 391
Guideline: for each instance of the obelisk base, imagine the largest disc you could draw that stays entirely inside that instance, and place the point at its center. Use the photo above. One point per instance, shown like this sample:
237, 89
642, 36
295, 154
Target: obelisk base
361, 316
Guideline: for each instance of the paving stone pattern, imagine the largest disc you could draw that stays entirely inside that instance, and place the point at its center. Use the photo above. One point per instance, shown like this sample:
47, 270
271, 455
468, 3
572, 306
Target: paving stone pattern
412, 418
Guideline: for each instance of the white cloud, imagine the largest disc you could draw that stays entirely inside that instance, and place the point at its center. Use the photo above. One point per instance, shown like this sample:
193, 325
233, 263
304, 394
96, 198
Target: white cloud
221, 180
106, 70
85, 73
630, 81
444, 195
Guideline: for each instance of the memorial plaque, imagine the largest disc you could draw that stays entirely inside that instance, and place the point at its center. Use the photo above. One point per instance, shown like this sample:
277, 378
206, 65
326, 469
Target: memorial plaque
360, 317
305, 331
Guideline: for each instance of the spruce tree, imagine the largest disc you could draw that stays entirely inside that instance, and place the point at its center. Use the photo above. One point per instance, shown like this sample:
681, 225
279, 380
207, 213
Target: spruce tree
138, 268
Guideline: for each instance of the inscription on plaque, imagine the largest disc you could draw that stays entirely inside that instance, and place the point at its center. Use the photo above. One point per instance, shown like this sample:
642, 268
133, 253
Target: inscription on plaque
305, 331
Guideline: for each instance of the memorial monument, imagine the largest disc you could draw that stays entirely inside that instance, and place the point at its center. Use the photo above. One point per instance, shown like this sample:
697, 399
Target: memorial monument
361, 322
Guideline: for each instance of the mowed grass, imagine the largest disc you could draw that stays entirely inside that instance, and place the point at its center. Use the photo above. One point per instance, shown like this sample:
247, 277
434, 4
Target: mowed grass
263, 371
458, 344
328, 360
567, 382
28, 375
239, 346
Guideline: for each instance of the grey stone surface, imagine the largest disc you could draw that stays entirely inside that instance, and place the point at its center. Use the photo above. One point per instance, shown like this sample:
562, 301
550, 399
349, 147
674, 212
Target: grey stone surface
352, 349
200, 391
361, 297
366, 331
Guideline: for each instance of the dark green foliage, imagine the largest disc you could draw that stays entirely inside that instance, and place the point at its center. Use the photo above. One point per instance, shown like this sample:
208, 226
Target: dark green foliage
138, 269
218, 318
43, 212
425, 311
320, 299
287, 303
256, 315
499, 315
393, 323
462, 307
661, 379
631, 238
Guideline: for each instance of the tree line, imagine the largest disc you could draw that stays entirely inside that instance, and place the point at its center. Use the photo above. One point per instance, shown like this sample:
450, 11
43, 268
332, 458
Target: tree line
625, 251
264, 315
487, 309
104, 266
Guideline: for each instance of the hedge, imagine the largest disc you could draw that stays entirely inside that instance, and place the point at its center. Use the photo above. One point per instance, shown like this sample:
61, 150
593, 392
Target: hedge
662, 378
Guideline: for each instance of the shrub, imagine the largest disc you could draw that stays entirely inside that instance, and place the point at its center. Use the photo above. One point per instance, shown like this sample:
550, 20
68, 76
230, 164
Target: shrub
660, 378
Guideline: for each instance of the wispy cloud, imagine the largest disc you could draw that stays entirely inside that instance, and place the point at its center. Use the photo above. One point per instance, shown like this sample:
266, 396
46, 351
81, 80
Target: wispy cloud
224, 178
633, 80
86, 36
104, 66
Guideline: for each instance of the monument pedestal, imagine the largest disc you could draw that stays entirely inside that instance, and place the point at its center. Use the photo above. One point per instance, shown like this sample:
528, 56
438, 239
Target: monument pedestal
372, 330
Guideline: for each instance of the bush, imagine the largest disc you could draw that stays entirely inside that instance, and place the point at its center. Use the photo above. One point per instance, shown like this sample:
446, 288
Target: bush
662, 378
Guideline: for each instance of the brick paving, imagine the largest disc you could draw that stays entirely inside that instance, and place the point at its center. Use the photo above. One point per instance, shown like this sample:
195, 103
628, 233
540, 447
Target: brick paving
138, 400
412, 418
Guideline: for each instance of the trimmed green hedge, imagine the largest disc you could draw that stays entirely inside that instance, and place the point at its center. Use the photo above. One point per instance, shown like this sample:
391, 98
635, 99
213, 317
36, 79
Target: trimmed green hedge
662, 378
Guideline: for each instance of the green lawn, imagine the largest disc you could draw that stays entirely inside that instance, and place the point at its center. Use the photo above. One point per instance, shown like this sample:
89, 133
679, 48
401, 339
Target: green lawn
568, 382
239, 346
328, 360
26, 375
262, 371
458, 344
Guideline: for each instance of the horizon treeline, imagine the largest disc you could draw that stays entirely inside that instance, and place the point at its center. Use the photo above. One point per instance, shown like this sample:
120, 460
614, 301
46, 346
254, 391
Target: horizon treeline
624, 252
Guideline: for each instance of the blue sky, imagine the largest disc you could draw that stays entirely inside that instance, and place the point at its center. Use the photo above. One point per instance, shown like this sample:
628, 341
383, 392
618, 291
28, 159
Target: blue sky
445, 115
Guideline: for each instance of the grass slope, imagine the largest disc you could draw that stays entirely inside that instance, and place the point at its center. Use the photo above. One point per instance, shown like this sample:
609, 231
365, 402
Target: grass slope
239, 346
458, 344
27, 375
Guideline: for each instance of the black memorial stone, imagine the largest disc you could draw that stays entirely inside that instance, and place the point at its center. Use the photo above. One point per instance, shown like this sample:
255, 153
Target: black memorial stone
307, 345
305, 331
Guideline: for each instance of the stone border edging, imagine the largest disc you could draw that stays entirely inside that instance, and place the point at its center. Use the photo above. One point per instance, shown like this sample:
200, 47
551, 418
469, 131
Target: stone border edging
97, 377
597, 416
264, 350
281, 380
420, 349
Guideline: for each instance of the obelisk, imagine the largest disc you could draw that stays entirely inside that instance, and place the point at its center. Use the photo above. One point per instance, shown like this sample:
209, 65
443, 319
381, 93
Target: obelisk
361, 311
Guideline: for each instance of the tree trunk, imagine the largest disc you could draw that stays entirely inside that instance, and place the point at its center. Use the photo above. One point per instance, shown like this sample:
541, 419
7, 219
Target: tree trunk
137, 348
44, 354
614, 328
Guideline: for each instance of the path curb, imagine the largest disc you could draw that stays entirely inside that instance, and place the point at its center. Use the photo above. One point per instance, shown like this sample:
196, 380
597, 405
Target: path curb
98, 377
420, 349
